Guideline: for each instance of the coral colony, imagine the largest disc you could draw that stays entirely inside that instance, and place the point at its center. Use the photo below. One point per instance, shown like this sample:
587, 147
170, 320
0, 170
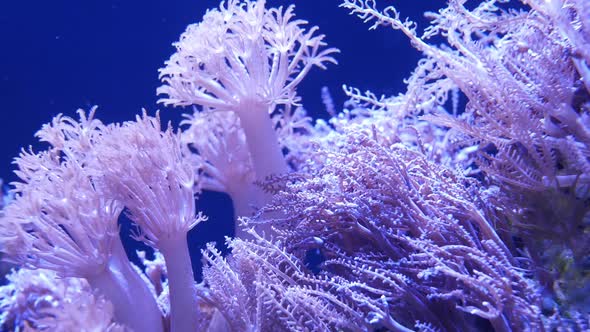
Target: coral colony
425, 214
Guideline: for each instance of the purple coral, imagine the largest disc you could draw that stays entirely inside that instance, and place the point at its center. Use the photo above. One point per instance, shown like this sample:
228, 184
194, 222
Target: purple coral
411, 237
400, 213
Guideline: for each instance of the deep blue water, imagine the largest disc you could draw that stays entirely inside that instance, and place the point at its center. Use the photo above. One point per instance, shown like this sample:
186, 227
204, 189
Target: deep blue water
58, 56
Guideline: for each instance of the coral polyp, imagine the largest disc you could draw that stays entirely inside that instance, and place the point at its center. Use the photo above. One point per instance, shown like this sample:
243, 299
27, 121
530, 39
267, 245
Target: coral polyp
460, 204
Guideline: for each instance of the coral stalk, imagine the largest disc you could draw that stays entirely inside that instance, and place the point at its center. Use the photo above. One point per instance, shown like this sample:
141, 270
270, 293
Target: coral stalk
134, 303
181, 284
150, 175
262, 141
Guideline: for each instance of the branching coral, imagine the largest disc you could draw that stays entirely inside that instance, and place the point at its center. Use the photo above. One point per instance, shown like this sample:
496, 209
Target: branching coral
261, 287
401, 227
401, 214
524, 73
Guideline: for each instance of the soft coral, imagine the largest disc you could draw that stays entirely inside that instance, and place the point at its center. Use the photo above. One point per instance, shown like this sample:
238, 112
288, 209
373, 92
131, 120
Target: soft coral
245, 59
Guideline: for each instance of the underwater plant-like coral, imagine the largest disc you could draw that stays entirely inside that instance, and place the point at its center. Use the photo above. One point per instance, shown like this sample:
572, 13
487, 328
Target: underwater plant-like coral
246, 59
41, 301
61, 221
408, 235
145, 169
413, 212
525, 76
262, 287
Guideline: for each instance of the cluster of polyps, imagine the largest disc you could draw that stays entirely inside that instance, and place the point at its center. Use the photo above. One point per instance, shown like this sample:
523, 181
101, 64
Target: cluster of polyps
242, 60
63, 219
247, 60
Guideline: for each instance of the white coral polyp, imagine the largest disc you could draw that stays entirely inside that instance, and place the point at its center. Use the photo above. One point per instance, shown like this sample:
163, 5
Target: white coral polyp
239, 53
223, 156
63, 225
144, 168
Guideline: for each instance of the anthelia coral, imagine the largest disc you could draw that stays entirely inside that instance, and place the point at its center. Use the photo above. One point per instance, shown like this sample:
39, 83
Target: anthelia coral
61, 221
146, 170
462, 204
248, 60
